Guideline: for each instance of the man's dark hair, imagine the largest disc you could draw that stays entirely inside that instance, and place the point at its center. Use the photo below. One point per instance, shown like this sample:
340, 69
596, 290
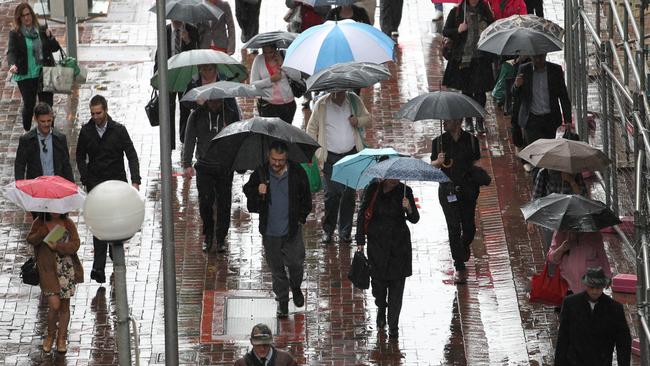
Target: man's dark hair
279, 146
46, 216
99, 100
42, 108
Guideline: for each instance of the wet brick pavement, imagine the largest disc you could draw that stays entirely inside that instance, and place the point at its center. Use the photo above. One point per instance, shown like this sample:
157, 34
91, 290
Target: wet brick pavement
486, 322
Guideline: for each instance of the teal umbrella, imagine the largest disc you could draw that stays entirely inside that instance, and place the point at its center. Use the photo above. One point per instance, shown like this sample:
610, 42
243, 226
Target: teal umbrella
185, 65
350, 169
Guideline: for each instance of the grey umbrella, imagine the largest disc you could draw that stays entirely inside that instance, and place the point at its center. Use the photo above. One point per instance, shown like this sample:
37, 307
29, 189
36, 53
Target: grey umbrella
347, 76
190, 11
219, 90
279, 39
315, 3
521, 35
404, 168
441, 105
569, 212
565, 155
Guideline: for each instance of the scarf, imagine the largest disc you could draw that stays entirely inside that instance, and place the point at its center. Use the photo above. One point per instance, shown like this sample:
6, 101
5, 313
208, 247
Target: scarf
37, 46
476, 25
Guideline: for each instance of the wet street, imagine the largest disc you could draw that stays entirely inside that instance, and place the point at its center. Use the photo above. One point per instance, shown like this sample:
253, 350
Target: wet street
488, 321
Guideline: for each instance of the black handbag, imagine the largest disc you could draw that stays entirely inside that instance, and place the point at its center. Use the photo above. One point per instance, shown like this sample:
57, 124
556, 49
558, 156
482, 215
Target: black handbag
152, 109
29, 272
359, 273
298, 87
479, 176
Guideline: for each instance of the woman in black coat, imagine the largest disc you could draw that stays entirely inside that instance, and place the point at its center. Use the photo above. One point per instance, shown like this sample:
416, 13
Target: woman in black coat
469, 69
30, 48
386, 206
356, 13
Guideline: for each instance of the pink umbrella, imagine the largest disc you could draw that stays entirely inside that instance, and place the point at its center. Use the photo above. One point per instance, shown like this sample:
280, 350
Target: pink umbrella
45, 194
446, 1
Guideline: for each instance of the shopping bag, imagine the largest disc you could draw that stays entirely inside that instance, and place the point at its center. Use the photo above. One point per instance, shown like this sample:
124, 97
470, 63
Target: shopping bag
152, 109
313, 174
359, 273
548, 290
58, 79
29, 272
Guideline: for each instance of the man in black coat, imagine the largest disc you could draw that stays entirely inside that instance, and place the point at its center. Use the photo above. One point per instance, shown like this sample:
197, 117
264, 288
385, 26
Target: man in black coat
540, 90
43, 150
591, 325
101, 147
247, 13
279, 192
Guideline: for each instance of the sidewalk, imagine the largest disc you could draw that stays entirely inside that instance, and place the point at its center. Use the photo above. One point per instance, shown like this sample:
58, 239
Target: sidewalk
486, 322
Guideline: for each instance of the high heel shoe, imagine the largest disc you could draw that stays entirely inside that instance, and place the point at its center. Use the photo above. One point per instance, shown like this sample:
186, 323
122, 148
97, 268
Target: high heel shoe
48, 341
62, 342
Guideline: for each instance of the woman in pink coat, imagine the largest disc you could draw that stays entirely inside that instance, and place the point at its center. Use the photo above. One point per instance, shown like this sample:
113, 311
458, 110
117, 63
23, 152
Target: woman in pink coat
575, 252
506, 8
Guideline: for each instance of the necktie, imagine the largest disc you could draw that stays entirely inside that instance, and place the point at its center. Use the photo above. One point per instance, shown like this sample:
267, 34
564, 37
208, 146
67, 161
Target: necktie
263, 359
177, 41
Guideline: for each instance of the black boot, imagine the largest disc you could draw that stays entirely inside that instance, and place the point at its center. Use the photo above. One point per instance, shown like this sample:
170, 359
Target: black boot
283, 309
381, 317
207, 243
469, 125
480, 128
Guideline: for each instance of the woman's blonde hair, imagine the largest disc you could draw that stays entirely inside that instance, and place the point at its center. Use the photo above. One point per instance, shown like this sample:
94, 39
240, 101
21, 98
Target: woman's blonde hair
18, 16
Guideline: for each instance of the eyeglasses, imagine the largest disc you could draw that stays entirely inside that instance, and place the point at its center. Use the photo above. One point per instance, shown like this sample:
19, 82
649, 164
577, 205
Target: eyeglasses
44, 146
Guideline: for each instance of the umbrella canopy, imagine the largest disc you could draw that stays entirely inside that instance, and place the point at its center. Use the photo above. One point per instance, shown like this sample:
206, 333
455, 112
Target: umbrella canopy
347, 76
45, 194
350, 169
244, 145
521, 35
569, 212
564, 155
190, 11
406, 169
183, 66
335, 42
441, 105
315, 3
279, 39
220, 90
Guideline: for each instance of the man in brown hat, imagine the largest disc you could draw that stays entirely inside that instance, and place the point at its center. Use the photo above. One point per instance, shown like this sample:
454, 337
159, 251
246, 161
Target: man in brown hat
263, 352
591, 325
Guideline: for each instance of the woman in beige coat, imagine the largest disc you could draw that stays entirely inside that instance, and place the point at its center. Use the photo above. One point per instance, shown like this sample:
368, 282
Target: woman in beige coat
59, 270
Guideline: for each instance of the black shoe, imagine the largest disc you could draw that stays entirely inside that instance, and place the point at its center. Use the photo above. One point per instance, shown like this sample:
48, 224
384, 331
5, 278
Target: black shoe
98, 276
298, 297
207, 244
283, 309
326, 238
480, 128
469, 125
345, 239
393, 333
221, 247
381, 318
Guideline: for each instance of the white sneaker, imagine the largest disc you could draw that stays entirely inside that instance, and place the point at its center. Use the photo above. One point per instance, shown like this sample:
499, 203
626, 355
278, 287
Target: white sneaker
437, 16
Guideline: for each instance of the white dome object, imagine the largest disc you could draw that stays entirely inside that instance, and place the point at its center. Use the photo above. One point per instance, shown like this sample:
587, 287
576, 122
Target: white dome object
113, 210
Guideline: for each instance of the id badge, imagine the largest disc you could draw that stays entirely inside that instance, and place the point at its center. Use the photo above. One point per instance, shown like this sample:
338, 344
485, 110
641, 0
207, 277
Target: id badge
452, 198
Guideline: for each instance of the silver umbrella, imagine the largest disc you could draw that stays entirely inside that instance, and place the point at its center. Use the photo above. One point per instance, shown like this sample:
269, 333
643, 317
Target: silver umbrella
315, 3
441, 105
565, 155
347, 76
190, 11
219, 90
521, 35
279, 39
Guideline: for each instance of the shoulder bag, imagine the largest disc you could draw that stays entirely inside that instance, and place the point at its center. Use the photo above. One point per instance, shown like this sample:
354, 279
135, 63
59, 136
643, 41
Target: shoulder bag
29, 272
152, 109
60, 77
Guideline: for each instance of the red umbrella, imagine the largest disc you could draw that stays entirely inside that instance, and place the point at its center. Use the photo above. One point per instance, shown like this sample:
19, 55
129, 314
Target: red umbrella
446, 1
45, 194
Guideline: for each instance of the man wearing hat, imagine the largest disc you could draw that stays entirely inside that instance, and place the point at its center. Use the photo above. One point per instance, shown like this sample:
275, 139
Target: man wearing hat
263, 352
591, 324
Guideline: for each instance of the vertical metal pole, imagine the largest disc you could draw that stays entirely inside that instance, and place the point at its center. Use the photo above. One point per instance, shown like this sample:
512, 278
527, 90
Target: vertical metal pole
626, 39
606, 119
581, 125
169, 261
71, 28
122, 305
568, 52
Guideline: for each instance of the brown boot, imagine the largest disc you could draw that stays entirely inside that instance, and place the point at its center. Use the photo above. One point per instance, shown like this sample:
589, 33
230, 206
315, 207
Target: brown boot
48, 341
62, 342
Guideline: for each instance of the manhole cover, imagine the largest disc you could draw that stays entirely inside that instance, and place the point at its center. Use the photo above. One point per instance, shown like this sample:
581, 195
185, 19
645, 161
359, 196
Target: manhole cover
242, 313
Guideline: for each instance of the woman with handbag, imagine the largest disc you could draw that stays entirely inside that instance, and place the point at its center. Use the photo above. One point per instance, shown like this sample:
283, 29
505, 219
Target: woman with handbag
385, 208
267, 75
30, 48
59, 270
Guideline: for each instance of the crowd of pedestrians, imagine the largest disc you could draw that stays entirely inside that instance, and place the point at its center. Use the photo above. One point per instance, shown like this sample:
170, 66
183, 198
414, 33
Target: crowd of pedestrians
279, 189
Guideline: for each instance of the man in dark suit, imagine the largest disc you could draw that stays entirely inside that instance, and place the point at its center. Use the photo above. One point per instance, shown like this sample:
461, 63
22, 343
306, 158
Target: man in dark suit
541, 90
43, 150
181, 37
591, 325
101, 147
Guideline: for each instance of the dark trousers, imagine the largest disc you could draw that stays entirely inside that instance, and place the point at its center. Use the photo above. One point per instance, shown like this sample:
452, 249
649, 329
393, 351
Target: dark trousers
539, 127
284, 253
394, 291
460, 224
284, 112
480, 98
535, 7
248, 18
390, 15
339, 199
214, 186
29, 90
182, 122
99, 254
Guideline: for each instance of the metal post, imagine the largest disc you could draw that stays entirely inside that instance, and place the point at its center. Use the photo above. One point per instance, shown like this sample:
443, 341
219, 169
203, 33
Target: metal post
169, 261
582, 72
71, 28
626, 39
122, 305
568, 52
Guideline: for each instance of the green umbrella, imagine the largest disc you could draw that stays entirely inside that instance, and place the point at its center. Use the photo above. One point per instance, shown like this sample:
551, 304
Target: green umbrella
185, 65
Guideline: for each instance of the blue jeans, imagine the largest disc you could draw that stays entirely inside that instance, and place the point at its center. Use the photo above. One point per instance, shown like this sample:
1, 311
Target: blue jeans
438, 6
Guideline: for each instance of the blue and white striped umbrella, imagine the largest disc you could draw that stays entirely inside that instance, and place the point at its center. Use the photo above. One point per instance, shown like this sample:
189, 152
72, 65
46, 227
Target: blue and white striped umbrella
335, 42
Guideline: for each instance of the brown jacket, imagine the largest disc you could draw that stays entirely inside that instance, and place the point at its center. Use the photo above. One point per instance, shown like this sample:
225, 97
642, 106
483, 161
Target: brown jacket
279, 358
46, 257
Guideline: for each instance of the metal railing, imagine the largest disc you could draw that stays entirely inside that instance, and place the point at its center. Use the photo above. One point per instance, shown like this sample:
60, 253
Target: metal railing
606, 65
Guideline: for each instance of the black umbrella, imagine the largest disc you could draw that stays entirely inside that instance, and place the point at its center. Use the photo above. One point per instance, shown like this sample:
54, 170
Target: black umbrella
441, 105
190, 11
569, 212
279, 39
347, 76
244, 145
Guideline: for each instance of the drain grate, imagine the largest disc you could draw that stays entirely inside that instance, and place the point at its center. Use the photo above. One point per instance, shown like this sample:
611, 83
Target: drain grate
242, 313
